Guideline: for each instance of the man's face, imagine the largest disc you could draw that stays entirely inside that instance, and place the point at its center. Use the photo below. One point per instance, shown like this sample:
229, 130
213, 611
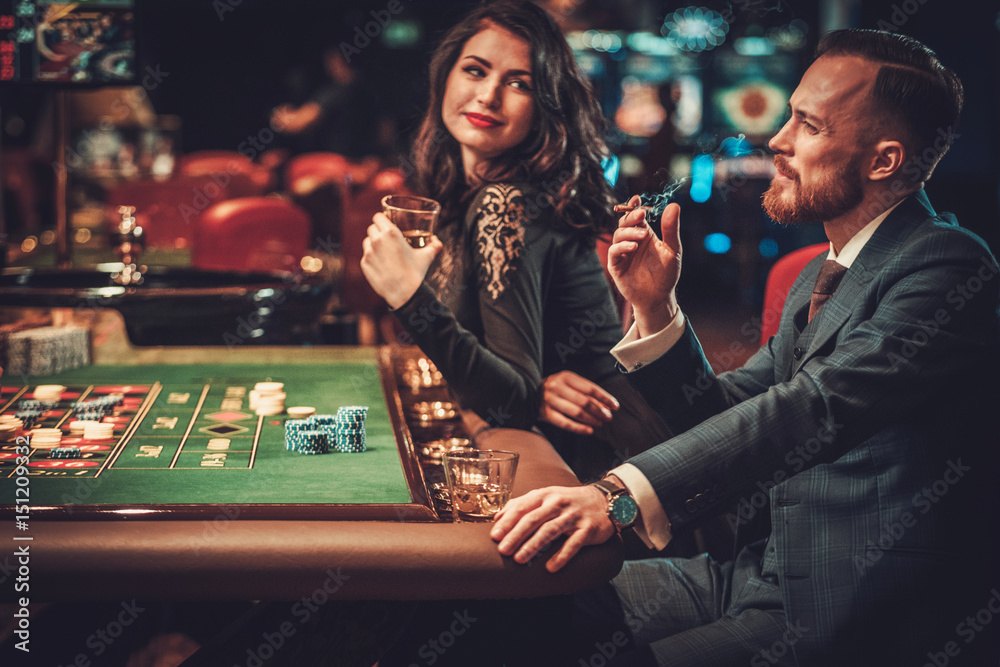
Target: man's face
820, 155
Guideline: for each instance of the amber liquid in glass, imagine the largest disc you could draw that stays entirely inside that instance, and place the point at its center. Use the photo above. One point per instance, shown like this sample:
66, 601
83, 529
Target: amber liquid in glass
479, 502
417, 238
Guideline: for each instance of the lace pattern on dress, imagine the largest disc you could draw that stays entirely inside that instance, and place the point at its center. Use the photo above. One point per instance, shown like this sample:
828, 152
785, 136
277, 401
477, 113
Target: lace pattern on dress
499, 237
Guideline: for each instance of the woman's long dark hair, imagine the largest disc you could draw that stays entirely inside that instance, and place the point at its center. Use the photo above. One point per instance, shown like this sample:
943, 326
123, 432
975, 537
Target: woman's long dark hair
562, 154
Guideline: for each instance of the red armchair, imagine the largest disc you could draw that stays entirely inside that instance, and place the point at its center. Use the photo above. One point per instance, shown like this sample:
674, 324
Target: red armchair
251, 234
779, 282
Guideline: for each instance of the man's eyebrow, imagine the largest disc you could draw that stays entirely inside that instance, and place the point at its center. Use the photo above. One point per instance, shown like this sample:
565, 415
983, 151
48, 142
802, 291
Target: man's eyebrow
802, 114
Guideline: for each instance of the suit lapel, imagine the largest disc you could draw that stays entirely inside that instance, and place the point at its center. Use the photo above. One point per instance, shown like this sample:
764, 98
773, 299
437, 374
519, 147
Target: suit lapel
882, 246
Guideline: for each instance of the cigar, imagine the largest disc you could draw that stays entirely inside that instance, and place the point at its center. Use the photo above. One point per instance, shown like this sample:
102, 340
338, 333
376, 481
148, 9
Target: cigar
625, 208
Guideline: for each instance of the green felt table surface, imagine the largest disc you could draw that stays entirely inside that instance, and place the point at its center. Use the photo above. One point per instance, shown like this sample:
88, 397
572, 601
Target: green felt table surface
162, 454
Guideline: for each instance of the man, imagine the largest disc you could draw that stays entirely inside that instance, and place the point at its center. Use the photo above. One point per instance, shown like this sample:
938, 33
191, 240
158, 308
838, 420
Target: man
850, 449
338, 117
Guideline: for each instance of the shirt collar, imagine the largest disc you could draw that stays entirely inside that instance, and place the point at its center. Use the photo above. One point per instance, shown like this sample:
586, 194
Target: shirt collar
853, 247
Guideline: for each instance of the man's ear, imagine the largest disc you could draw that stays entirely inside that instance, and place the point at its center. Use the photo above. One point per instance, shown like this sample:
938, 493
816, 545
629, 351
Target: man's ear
887, 160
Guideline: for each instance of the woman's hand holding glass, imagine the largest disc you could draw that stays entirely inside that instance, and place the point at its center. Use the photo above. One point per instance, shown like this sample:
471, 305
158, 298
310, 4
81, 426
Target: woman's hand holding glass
393, 268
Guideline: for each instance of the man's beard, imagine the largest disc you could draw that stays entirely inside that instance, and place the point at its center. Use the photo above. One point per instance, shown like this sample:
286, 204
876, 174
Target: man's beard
819, 203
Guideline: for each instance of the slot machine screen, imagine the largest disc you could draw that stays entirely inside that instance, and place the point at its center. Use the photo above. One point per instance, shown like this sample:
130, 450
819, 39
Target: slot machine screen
751, 94
71, 44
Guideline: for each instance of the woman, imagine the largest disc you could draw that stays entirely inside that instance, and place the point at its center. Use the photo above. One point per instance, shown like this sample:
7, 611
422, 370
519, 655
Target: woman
511, 291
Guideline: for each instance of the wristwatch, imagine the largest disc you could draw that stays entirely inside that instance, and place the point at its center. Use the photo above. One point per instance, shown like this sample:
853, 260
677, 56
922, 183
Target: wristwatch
622, 508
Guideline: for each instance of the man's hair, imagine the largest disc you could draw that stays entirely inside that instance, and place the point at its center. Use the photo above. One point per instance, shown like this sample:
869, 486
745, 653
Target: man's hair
914, 95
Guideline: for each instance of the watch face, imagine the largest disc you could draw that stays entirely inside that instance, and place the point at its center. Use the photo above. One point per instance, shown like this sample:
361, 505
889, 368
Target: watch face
624, 511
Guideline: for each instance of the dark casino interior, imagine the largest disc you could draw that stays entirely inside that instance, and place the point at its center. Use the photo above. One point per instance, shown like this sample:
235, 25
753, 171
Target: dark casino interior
157, 212
209, 74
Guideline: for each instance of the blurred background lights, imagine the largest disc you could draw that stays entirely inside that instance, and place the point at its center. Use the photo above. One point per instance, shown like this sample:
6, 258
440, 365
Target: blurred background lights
753, 46
789, 37
695, 29
603, 42
702, 175
311, 264
718, 243
401, 34
768, 248
650, 44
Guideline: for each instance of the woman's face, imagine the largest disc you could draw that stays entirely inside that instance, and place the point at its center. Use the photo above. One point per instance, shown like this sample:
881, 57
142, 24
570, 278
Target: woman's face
489, 99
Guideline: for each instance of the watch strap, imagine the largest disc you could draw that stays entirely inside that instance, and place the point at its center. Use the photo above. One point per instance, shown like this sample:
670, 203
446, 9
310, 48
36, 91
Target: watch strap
609, 488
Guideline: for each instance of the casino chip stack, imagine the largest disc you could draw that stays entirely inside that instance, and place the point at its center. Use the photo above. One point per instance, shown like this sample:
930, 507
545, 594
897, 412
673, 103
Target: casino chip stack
28, 416
292, 428
98, 431
50, 393
47, 350
78, 427
30, 411
349, 429
9, 427
44, 438
305, 437
268, 398
95, 409
65, 453
301, 411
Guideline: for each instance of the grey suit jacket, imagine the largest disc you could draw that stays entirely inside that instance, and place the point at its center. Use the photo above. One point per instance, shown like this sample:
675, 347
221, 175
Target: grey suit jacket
850, 450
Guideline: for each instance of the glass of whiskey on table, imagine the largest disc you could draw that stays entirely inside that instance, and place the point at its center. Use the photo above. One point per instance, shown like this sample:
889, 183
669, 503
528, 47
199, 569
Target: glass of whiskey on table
479, 482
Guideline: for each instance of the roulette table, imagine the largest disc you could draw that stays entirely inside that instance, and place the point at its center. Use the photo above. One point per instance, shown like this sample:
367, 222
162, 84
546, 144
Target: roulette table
194, 495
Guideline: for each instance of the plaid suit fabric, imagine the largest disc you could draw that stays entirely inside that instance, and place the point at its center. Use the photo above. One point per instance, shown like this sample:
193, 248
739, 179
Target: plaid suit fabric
825, 440
683, 610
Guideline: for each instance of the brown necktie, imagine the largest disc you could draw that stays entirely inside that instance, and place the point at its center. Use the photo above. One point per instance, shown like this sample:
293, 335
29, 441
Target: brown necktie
826, 282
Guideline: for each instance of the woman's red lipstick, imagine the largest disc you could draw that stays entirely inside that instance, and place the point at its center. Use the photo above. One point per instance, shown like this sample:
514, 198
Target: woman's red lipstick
482, 121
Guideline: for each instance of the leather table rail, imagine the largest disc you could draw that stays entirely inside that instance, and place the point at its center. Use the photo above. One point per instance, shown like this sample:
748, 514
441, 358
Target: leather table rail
287, 560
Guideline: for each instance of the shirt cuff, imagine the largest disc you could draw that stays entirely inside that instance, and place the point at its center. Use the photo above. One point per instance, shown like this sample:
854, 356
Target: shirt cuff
633, 352
654, 527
